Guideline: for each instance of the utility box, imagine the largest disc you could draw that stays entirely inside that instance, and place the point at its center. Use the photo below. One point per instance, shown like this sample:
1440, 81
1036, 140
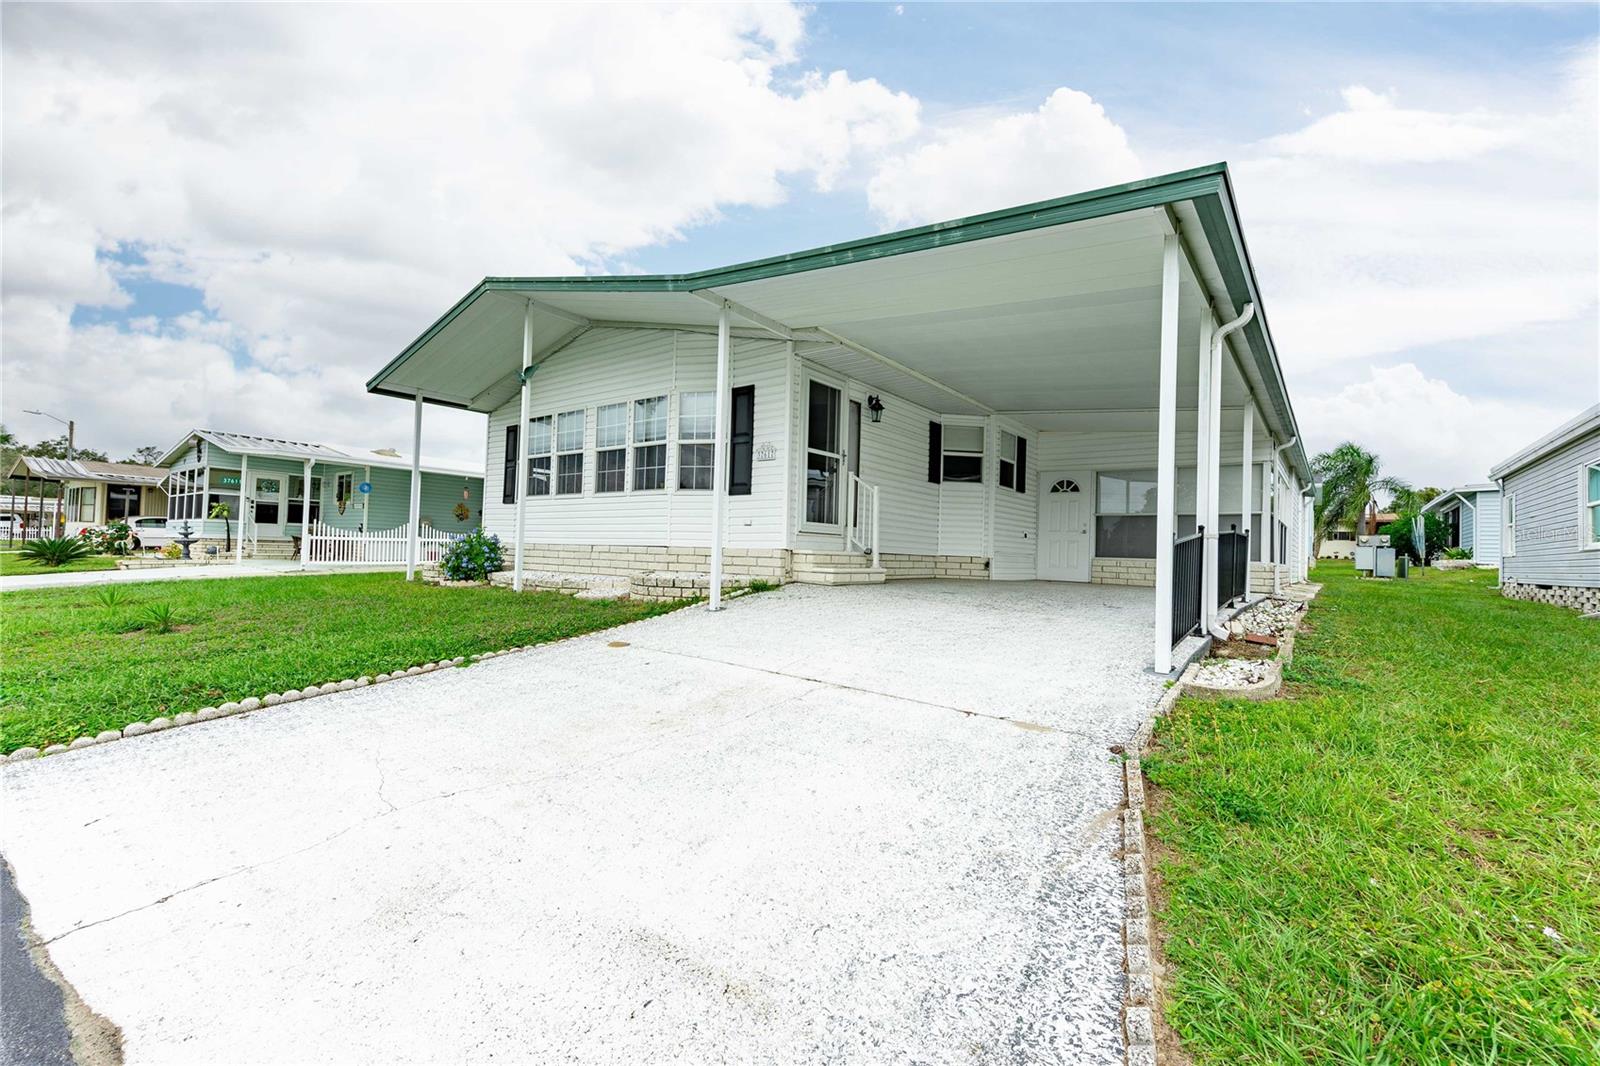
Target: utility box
1367, 548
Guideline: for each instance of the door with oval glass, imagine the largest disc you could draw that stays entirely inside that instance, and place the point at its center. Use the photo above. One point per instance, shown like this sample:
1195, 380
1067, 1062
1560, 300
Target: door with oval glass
1064, 520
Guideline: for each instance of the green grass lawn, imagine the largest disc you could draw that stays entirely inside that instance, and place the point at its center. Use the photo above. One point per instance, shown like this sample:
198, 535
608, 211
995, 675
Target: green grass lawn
73, 666
12, 564
1364, 871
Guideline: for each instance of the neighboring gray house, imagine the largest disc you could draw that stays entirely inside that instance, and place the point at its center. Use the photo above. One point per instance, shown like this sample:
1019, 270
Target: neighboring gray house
1550, 529
1472, 514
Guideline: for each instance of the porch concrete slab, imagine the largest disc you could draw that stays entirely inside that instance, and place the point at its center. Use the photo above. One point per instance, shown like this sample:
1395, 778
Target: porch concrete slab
796, 831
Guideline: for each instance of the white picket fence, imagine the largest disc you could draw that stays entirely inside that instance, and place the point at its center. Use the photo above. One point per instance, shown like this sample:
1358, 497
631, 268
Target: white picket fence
331, 546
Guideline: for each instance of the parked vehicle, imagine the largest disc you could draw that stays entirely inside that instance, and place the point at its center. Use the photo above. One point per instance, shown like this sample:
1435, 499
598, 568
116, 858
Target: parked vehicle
151, 532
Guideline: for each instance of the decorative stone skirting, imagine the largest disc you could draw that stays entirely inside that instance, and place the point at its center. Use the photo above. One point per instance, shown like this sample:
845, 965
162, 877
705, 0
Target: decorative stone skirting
625, 560
662, 586
897, 566
1109, 571
1576, 597
1261, 576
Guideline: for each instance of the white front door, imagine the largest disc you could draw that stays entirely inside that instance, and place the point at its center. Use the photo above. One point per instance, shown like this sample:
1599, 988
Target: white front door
267, 508
1064, 517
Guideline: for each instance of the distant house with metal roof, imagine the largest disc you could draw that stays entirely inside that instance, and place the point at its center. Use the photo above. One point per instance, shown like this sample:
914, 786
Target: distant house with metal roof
1550, 520
93, 492
1471, 514
262, 482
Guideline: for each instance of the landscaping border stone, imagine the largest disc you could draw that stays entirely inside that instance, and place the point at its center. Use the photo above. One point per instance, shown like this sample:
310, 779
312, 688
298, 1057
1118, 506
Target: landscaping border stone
1140, 1001
274, 699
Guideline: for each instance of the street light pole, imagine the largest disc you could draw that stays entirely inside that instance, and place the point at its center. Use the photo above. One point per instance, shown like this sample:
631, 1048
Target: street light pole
72, 431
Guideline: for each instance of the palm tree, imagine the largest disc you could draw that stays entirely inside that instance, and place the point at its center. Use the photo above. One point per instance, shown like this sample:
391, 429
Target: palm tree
1351, 480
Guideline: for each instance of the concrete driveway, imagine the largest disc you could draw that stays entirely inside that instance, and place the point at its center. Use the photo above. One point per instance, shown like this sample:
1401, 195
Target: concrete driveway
829, 824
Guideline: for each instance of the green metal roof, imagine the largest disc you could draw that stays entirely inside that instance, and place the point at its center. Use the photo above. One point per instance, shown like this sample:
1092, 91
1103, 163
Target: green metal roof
1209, 188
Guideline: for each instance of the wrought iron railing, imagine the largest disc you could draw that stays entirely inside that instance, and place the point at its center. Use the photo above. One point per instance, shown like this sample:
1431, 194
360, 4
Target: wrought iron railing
1187, 562
1233, 565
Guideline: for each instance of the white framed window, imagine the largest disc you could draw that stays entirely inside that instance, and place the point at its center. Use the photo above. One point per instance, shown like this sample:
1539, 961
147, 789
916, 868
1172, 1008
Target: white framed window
650, 444
697, 426
297, 499
569, 453
1508, 539
540, 438
1008, 460
1591, 506
1125, 514
963, 453
611, 447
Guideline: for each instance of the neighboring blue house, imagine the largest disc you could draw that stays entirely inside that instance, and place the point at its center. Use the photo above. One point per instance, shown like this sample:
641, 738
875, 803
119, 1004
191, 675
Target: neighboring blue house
1550, 524
1472, 514
209, 467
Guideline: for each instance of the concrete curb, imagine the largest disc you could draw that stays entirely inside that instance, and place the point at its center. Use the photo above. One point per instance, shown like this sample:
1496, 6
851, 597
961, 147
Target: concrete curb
1140, 1003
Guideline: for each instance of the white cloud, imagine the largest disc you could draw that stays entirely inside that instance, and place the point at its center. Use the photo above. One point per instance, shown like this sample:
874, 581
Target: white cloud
332, 180
988, 161
1424, 431
1373, 128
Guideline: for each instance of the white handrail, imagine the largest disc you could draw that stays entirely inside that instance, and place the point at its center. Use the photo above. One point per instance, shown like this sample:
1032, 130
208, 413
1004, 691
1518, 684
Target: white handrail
863, 528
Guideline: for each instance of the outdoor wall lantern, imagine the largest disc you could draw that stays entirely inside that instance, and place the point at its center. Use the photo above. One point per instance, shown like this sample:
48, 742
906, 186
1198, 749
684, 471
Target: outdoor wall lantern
875, 408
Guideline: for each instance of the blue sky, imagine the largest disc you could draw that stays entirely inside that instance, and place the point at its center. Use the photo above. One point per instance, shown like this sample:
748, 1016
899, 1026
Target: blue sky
263, 205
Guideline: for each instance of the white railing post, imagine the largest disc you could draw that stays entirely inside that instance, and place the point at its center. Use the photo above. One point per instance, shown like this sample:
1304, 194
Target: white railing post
719, 458
876, 562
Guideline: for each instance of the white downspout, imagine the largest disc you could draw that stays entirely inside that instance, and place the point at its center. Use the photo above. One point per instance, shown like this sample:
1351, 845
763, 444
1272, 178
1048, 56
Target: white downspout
1277, 461
1212, 503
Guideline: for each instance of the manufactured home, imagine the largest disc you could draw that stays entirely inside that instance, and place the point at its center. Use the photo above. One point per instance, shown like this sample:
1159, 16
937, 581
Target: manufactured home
261, 481
1068, 391
1550, 517
1471, 515
93, 493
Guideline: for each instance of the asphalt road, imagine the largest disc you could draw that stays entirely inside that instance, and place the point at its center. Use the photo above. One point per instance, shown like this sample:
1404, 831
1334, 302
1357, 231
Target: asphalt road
33, 1017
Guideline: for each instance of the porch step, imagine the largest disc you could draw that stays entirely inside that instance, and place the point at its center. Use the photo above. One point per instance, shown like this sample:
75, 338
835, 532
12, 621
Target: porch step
840, 575
271, 549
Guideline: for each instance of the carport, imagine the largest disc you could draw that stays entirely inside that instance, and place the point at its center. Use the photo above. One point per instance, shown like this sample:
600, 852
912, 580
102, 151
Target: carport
1132, 310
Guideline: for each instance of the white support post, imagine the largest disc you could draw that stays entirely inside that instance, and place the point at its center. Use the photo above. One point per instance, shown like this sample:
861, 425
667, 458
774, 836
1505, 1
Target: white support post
245, 507
1203, 461
1166, 453
415, 522
305, 515
719, 459
1247, 483
522, 450
366, 497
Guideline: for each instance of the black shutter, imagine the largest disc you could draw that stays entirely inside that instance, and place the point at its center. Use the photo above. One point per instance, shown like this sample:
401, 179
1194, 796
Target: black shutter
742, 441
935, 452
508, 484
1022, 464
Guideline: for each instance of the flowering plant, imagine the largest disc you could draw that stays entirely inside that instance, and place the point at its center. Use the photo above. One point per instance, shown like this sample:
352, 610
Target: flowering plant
472, 557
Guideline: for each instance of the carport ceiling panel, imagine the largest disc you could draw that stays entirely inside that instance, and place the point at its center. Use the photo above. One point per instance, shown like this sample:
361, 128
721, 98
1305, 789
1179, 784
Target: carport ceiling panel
483, 344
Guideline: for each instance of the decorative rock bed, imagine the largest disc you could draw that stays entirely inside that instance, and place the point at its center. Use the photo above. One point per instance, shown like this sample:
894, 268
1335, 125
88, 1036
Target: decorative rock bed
665, 585
584, 586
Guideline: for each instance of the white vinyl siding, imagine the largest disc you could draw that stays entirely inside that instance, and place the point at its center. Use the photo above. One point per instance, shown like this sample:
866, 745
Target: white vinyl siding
606, 367
1016, 514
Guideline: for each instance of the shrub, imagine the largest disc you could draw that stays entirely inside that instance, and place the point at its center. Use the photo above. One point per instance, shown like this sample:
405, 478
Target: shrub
472, 557
1458, 553
171, 551
1434, 532
160, 618
55, 551
113, 539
